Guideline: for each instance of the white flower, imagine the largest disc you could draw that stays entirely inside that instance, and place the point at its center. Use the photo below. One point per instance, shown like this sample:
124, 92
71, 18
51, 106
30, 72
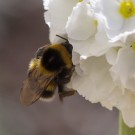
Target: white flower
86, 32
104, 68
57, 15
119, 17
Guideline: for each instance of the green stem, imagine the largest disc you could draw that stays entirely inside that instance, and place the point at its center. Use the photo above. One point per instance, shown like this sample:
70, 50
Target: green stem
124, 129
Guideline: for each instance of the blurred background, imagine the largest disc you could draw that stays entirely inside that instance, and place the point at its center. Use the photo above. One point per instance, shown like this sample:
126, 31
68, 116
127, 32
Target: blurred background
22, 31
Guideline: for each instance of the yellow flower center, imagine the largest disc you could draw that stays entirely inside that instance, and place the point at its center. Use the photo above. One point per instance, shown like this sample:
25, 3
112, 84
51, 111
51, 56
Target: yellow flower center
133, 46
127, 9
96, 22
80, 0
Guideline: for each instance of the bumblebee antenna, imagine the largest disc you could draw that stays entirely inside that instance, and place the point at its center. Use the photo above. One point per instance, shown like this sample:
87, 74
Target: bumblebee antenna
62, 37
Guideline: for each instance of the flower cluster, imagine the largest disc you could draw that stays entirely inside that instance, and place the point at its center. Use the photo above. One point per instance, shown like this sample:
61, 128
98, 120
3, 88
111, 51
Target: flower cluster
102, 33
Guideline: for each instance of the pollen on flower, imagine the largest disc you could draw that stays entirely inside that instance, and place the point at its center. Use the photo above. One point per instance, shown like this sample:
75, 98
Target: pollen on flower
133, 46
80, 0
96, 22
127, 9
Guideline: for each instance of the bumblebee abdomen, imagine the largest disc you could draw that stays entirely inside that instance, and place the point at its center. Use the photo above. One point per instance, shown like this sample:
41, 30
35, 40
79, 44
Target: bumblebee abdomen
50, 90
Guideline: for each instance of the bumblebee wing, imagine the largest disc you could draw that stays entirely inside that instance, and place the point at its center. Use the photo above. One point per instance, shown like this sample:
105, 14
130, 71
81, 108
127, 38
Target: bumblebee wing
33, 88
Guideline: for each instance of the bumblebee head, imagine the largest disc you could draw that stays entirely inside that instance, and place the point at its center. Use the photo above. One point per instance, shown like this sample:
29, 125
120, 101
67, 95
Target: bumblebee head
66, 44
68, 47
52, 60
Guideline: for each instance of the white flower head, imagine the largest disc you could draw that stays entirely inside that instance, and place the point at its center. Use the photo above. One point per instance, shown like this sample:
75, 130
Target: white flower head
102, 35
119, 17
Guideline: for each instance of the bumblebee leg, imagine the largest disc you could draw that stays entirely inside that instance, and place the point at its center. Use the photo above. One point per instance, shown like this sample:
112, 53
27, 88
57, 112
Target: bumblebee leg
63, 94
68, 93
60, 91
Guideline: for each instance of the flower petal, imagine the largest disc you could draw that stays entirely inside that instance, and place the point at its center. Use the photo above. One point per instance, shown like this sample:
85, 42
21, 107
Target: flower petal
82, 46
94, 84
110, 10
123, 72
125, 102
96, 45
129, 114
46, 4
57, 15
111, 55
81, 24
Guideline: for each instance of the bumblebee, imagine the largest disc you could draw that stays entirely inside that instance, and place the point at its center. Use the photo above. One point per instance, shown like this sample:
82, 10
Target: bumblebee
51, 68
